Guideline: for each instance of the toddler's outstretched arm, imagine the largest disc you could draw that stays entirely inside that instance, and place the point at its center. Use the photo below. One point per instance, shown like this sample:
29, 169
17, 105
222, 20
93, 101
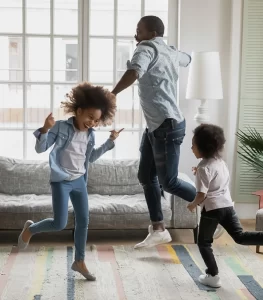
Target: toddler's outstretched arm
199, 198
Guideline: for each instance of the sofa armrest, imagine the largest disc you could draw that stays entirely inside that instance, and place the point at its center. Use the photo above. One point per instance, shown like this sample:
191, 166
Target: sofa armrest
181, 216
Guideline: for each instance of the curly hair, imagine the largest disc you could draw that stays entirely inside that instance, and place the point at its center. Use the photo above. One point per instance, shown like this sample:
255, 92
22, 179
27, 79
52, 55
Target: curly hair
209, 140
86, 96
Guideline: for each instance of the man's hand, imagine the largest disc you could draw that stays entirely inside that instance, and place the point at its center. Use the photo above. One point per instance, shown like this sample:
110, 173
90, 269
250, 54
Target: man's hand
192, 206
49, 123
114, 134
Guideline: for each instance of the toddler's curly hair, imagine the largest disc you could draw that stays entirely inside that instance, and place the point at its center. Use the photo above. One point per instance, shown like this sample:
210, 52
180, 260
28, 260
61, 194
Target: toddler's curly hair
209, 139
86, 96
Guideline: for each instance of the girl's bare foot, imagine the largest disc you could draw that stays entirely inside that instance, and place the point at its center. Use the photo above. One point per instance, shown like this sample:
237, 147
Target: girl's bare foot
80, 266
25, 236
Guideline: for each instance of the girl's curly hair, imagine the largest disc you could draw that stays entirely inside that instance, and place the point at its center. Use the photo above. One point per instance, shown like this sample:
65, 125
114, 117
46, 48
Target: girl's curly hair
85, 96
209, 139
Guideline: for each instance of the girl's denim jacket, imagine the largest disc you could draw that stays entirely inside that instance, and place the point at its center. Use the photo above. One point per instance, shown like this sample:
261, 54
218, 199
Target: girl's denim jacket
61, 135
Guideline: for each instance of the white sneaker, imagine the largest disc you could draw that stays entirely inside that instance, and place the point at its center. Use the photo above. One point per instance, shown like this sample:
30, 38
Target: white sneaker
219, 231
154, 238
213, 281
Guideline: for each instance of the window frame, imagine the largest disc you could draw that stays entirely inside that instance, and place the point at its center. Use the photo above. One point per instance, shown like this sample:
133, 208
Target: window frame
83, 39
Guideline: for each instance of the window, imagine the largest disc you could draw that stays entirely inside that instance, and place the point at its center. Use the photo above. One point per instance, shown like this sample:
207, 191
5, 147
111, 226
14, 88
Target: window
48, 46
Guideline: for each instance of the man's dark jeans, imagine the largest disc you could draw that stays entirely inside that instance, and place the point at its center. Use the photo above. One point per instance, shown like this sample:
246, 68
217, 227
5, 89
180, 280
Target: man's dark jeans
160, 153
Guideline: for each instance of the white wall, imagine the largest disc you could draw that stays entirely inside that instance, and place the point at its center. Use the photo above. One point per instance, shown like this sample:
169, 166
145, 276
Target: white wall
214, 25
205, 25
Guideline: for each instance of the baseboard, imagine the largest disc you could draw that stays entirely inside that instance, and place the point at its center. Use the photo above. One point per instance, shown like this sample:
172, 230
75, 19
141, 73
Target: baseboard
246, 210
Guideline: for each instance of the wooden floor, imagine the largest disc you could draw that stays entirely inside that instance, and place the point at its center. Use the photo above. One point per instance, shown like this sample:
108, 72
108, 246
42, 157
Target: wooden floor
114, 237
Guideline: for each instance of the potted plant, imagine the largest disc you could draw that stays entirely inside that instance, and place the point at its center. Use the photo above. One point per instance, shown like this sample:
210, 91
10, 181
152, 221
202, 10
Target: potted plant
251, 152
251, 149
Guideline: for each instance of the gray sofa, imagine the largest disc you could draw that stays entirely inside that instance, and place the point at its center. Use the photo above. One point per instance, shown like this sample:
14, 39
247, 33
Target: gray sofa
116, 199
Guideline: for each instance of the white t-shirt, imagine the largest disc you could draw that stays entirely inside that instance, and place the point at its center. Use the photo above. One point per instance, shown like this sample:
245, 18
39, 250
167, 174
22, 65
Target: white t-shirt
212, 179
73, 158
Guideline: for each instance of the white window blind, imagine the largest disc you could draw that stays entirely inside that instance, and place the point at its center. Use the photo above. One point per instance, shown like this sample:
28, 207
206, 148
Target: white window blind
251, 93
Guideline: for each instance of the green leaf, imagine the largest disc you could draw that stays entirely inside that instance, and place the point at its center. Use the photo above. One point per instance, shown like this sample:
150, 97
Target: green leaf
251, 149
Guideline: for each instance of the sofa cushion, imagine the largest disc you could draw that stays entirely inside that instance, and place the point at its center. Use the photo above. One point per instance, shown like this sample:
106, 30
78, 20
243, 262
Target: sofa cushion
121, 204
114, 177
122, 212
16, 209
18, 177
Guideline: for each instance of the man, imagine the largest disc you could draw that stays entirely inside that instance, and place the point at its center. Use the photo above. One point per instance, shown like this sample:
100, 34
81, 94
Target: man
155, 66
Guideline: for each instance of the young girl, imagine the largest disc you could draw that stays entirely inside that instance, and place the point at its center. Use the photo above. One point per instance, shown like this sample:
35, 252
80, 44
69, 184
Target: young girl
212, 185
73, 141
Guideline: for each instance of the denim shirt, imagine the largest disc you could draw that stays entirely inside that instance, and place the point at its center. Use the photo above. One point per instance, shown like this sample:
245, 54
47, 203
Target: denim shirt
157, 67
61, 135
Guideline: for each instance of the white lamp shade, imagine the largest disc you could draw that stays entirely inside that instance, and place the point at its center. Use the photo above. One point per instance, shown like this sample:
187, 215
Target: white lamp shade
204, 80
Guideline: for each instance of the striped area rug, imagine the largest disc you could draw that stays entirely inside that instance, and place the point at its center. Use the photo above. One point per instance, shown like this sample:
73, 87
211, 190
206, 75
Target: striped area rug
163, 272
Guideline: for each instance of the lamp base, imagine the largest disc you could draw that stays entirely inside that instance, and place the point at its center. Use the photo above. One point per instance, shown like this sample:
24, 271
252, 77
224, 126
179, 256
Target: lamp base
202, 116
